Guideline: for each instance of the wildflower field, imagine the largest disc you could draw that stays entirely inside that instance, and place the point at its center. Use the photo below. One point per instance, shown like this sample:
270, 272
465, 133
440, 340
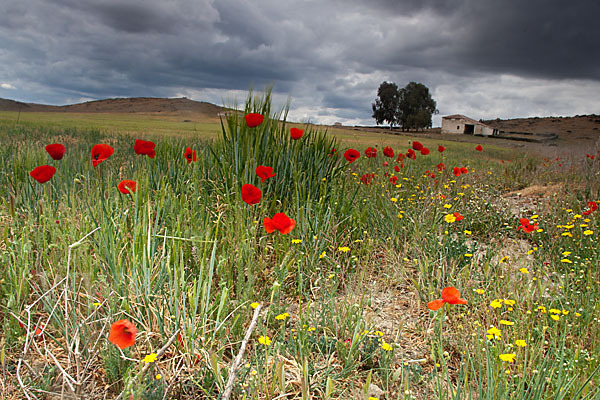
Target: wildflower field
277, 262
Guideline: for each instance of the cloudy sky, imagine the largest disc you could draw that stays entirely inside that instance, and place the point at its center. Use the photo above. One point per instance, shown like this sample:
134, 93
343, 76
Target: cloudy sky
482, 58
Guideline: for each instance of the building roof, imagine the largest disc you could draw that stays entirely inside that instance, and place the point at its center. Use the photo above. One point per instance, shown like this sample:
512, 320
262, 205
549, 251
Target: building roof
460, 116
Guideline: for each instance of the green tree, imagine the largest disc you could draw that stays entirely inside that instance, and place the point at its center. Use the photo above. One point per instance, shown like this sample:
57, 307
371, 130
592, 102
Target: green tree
416, 106
386, 106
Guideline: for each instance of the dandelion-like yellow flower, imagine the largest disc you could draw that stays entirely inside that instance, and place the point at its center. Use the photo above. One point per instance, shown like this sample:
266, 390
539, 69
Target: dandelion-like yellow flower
296, 241
566, 261
322, 255
493, 333
520, 343
450, 218
507, 323
386, 346
496, 303
282, 317
150, 358
447, 205
264, 340
479, 291
555, 317
254, 305
524, 270
504, 259
344, 249
508, 357
588, 232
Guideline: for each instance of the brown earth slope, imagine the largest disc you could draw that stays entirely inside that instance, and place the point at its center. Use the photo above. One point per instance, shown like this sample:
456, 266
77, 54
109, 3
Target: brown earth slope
121, 105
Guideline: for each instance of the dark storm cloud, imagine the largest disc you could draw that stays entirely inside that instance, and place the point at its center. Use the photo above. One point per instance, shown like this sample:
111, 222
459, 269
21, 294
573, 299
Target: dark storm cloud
329, 56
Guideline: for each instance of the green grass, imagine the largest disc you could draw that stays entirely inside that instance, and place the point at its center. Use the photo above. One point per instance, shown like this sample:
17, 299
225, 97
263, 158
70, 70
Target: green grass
184, 257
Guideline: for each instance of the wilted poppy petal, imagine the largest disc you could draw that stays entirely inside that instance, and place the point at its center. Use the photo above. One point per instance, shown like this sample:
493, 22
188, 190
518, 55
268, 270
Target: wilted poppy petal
264, 172
122, 334
43, 173
435, 304
56, 151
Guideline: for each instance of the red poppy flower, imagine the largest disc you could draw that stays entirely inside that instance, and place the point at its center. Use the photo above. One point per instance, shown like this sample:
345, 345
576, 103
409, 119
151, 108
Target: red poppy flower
388, 152
296, 133
396, 168
385, 164
450, 295
394, 180
126, 185
56, 151
254, 119
464, 170
371, 152
400, 157
251, 194
592, 206
351, 155
417, 146
100, 153
411, 154
264, 173
441, 148
401, 165
479, 148
367, 179
424, 151
144, 148
441, 166
458, 217
190, 155
280, 222
456, 171
526, 226
122, 334
43, 173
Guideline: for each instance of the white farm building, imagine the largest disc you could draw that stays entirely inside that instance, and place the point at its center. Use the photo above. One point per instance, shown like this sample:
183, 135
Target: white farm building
460, 124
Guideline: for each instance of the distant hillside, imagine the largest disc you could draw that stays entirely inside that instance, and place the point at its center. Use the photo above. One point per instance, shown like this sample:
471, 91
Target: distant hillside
121, 105
584, 128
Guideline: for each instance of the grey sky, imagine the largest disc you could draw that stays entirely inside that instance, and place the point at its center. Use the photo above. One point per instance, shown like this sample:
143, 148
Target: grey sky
483, 58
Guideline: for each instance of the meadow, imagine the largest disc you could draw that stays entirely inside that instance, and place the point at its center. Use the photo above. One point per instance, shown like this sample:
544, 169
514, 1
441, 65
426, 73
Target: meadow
187, 287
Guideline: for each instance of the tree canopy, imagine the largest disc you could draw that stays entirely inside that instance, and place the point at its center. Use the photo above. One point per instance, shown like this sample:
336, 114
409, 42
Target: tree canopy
410, 107
386, 106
